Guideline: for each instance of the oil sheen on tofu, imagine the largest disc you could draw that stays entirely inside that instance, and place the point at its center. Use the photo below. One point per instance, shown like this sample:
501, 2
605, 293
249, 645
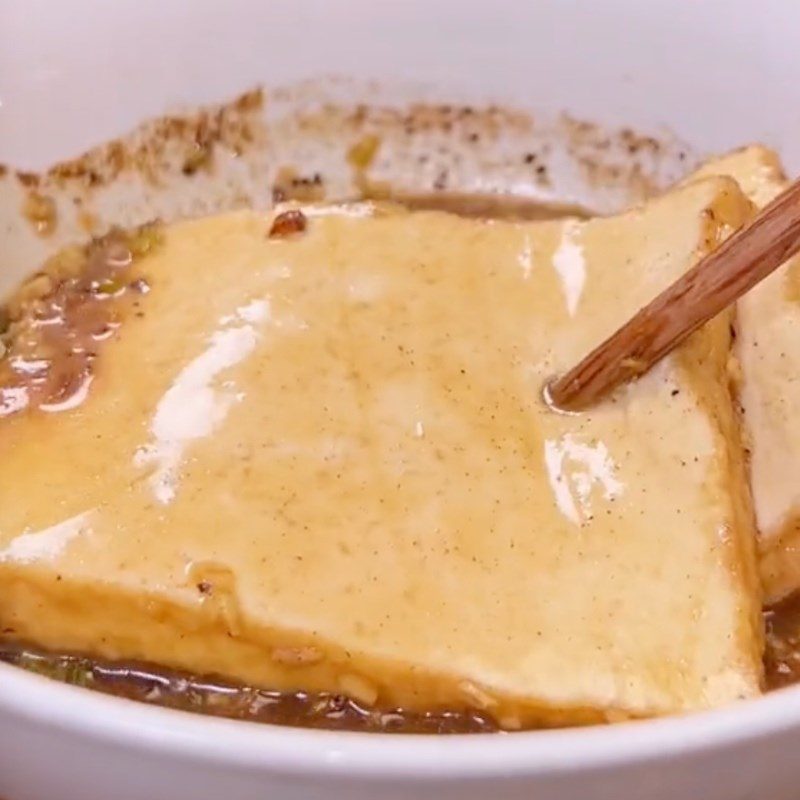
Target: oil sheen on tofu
323, 462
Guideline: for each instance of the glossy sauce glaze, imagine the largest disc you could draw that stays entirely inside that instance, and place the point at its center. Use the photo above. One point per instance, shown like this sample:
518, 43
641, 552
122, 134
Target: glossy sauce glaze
94, 319
53, 329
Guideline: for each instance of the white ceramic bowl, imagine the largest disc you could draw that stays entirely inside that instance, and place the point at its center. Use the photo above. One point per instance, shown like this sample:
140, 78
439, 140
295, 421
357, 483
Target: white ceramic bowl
718, 73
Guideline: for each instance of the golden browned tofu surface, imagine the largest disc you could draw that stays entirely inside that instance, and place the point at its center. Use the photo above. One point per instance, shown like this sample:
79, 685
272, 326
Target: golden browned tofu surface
322, 461
768, 348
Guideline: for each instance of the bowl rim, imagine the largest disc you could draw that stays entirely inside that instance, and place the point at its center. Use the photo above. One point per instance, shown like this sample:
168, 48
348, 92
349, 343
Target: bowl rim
262, 748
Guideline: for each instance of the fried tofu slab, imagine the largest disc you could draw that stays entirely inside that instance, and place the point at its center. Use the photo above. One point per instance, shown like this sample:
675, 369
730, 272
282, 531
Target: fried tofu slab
320, 460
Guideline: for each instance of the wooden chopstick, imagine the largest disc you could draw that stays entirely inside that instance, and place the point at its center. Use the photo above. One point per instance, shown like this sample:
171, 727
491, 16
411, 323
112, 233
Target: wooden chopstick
721, 278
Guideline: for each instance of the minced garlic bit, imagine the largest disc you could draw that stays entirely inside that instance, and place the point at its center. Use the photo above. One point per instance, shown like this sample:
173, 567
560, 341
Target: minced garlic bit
40, 210
477, 696
363, 152
359, 689
296, 656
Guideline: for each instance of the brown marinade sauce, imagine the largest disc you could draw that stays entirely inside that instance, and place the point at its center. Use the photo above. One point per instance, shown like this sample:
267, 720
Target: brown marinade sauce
782, 654
219, 698
52, 327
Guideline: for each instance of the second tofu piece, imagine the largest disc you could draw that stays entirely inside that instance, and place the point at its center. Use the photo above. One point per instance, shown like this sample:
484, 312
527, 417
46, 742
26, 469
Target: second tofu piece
768, 349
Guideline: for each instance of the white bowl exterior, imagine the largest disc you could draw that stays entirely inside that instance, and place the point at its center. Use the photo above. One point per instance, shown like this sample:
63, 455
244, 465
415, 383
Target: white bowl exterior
719, 74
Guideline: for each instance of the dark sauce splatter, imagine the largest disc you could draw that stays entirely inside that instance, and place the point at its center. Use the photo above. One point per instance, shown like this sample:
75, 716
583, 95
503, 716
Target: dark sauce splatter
288, 223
